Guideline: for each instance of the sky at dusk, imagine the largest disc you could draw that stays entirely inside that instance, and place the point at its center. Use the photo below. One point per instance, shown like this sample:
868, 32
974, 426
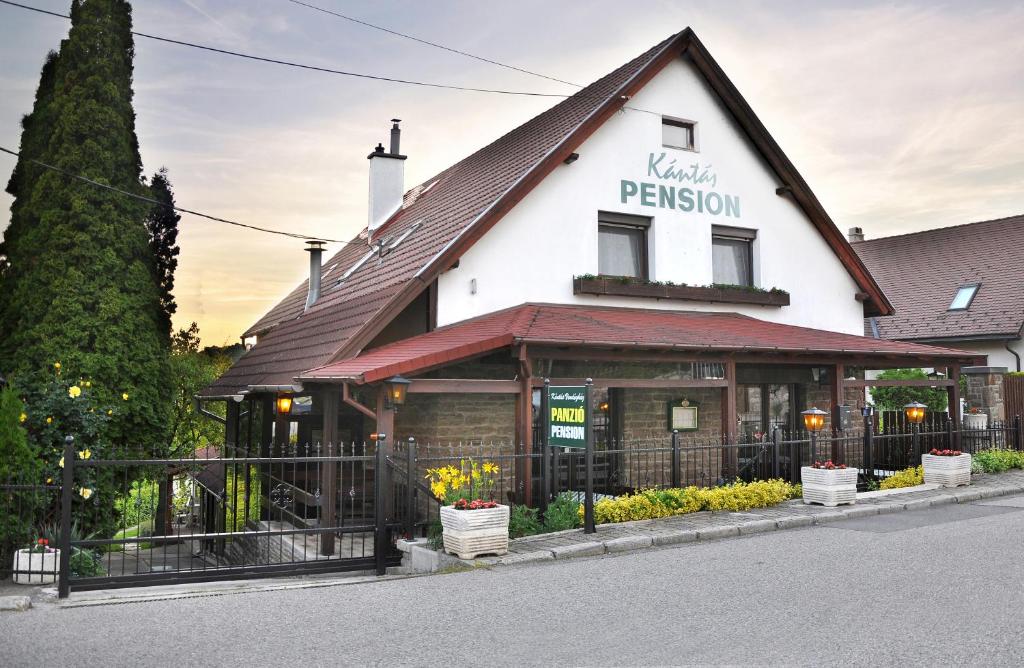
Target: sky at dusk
900, 116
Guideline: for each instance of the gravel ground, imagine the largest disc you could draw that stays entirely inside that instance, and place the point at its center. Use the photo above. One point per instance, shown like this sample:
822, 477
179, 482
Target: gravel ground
942, 586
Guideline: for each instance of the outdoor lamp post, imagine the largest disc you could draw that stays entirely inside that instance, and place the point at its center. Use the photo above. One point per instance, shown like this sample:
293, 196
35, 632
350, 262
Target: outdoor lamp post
814, 421
284, 404
396, 388
915, 416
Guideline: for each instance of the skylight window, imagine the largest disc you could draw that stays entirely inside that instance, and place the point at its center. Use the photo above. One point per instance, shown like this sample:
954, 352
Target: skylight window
963, 297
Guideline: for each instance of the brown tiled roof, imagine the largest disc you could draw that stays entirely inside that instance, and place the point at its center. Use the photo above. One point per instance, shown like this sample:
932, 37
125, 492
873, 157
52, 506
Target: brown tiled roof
560, 325
920, 273
463, 202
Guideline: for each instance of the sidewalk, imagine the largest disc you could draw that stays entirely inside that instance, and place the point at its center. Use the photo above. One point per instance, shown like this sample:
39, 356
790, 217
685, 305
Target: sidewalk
713, 525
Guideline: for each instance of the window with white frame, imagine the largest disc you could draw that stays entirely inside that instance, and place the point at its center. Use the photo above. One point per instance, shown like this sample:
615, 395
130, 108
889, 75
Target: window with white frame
732, 255
622, 244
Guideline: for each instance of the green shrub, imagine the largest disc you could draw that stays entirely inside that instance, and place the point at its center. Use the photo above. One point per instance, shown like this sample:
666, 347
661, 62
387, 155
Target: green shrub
563, 513
910, 477
997, 461
523, 521
139, 504
653, 503
19, 465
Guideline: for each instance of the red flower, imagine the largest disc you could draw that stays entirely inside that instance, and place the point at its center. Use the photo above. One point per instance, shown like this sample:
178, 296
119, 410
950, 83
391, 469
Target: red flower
43, 541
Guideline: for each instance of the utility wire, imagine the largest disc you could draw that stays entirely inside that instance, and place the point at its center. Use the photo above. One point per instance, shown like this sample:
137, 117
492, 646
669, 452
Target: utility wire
316, 68
294, 235
433, 44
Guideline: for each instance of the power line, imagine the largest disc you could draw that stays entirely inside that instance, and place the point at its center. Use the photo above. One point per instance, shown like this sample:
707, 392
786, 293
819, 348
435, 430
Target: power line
315, 68
433, 44
294, 235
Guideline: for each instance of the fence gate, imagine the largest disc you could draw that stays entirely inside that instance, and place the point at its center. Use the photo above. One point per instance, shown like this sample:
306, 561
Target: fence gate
284, 510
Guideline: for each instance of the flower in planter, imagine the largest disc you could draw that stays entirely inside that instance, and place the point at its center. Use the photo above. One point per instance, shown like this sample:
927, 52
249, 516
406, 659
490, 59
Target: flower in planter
469, 480
475, 504
829, 466
945, 453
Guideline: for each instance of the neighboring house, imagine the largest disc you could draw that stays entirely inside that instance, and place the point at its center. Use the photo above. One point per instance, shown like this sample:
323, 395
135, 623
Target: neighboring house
958, 287
646, 232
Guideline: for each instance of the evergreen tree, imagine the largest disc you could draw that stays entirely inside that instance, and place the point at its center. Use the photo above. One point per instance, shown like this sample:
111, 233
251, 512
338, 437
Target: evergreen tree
81, 287
162, 224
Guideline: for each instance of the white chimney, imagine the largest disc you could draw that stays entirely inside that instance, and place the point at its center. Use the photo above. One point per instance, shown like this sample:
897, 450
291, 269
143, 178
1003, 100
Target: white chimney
387, 180
855, 234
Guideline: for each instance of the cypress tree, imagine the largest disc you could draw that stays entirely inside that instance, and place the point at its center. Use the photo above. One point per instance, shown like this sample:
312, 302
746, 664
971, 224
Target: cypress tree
81, 283
162, 224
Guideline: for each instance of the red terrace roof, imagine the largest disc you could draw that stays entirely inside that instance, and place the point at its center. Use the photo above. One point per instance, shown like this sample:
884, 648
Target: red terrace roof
920, 273
606, 326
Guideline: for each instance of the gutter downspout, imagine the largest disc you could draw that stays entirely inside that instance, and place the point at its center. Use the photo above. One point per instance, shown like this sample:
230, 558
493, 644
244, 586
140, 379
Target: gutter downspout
1012, 351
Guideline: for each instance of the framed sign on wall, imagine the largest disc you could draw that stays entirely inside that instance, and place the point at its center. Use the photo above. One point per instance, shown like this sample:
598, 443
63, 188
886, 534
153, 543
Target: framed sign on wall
683, 415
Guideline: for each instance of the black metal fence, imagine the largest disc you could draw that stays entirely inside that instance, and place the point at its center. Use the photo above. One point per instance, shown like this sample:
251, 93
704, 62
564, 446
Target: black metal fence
675, 461
28, 530
284, 509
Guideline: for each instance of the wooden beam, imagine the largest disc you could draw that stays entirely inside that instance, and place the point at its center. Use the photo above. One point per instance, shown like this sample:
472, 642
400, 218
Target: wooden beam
836, 395
730, 460
916, 382
463, 386
328, 471
347, 398
524, 425
953, 398
624, 353
648, 383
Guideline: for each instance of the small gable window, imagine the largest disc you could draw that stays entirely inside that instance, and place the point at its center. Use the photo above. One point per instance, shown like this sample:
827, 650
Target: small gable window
676, 133
963, 297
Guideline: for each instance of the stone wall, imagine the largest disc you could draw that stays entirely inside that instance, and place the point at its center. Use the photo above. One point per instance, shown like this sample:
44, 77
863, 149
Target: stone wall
985, 390
453, 418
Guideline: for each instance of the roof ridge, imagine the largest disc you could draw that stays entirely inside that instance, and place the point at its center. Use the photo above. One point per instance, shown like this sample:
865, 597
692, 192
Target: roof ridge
937, 229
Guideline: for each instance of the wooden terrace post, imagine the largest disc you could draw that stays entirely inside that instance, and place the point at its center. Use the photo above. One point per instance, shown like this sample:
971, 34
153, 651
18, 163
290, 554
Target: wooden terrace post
232, 414
386, 426
729, 455
330, 447
524, 427
263, 449
837, 393
953, 398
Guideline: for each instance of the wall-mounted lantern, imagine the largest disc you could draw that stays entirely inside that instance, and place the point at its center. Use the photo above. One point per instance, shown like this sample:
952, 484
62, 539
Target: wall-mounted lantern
396, 388
284, 404
915, 412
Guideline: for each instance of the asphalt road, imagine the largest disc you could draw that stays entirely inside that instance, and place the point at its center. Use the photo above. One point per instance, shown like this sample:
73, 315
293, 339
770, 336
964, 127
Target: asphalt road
935, 587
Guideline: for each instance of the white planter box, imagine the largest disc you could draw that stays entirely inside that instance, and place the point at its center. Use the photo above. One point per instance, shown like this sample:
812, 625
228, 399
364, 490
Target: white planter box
975, 421
947, 471
829, 487
471, 533
41, 567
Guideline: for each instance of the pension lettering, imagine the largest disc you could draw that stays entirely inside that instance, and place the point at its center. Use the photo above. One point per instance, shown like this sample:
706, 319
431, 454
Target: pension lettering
670, 196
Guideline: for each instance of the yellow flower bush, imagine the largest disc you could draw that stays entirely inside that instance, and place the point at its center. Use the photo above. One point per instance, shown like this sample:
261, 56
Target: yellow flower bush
469, 480
653, 503
905, 478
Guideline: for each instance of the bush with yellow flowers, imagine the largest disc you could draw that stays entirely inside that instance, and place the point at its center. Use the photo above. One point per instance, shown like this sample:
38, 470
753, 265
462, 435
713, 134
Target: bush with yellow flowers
66, 404
470, 480
653, 503
910, 477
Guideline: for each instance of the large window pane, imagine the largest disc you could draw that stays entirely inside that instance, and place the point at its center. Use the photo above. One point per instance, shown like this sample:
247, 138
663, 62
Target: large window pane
621, 251
731, 261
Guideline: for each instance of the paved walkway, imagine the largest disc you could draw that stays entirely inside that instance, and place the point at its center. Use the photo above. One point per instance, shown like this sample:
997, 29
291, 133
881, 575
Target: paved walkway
708, 525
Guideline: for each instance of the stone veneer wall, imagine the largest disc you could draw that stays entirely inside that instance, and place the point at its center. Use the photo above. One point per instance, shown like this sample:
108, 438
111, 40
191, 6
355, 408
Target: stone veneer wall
454, 418
985, 390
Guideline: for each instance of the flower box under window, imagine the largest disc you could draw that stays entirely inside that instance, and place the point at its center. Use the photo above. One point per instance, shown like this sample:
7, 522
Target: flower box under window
602, 285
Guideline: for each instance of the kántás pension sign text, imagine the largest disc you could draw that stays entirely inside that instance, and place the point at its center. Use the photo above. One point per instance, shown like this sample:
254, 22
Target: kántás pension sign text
698, 196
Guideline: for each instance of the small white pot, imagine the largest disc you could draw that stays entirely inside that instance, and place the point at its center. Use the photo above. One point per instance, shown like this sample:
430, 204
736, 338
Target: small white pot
947, 471
470, 533
975, 421
829, 487
35, 567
